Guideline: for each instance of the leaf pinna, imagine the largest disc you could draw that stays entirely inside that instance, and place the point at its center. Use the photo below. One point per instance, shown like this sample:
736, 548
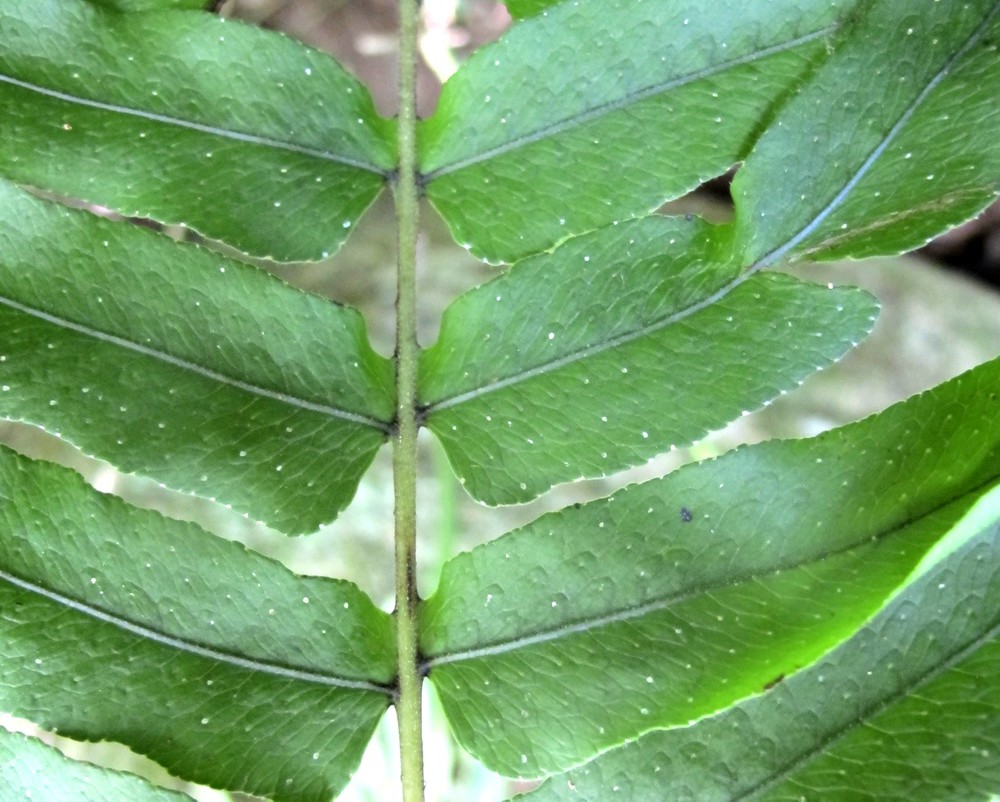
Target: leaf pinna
813, 617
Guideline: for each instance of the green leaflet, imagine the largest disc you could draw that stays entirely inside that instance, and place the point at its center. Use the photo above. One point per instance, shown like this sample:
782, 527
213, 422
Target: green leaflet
245, 136
673, 599
218, 663
208, 375
527, 8
31, 770
616, 346
906, 709
892, 141
599, 110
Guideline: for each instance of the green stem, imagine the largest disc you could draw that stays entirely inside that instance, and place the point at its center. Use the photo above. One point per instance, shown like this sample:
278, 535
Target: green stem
404, 464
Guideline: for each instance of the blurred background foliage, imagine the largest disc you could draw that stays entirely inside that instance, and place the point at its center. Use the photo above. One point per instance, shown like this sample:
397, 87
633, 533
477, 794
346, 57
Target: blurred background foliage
940, 316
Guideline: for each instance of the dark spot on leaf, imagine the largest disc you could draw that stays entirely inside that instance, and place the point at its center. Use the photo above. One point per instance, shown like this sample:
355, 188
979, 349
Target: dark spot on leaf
774, 682
686, 515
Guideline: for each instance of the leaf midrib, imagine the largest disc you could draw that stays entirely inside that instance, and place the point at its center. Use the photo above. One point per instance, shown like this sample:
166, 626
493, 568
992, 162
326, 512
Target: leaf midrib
584, 353
779, 253
190, 647
656, 605
628, 99
121, 342
204, 128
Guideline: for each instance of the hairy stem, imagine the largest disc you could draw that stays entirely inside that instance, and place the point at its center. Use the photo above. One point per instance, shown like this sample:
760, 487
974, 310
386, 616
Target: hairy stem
408, 706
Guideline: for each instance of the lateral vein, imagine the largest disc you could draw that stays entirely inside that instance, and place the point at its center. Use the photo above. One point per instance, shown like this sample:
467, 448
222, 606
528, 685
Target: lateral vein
275, 669
121, 342
778, 253
666, 601
589, 351
633, 97
225, 133
877, 706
